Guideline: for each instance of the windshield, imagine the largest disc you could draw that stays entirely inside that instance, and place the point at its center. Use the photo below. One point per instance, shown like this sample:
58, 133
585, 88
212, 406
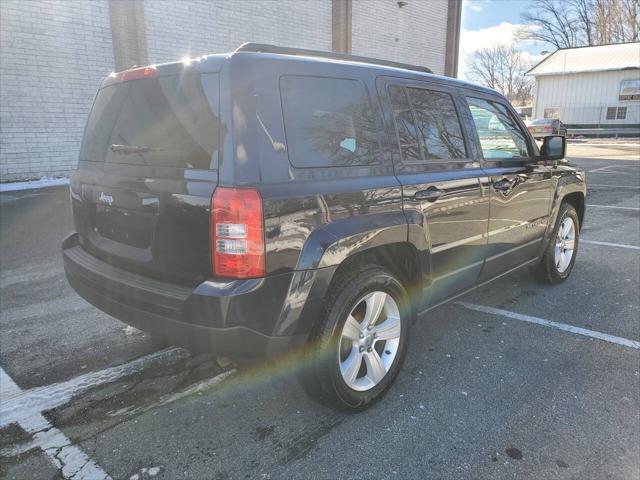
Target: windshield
167, 121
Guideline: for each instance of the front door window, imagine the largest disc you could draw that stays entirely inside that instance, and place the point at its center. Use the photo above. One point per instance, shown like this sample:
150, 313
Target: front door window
500, 136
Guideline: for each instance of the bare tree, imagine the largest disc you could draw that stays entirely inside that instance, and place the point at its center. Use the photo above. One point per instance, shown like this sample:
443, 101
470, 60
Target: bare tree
503, 68
552, 22
575, 23
617, 21
585, 19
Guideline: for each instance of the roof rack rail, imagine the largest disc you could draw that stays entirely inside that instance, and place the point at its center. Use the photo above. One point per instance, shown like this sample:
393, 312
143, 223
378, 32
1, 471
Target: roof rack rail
266, 48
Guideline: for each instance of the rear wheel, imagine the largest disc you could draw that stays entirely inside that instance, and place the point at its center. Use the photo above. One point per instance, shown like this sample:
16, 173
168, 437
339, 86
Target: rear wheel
560, 254
358, 350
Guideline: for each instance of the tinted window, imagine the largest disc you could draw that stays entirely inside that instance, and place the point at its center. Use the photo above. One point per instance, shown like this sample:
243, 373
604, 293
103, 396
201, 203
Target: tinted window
328, 122
405, 124
165, 121
427, 124
438, 124
500, 136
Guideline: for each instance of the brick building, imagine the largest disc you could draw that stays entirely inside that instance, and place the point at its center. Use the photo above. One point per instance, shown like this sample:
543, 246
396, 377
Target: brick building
55, 53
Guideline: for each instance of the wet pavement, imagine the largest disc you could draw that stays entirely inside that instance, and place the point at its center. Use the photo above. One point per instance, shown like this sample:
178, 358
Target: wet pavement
482, 395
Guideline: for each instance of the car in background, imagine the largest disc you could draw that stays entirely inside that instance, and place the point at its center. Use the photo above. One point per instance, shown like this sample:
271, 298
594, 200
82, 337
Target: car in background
546, 126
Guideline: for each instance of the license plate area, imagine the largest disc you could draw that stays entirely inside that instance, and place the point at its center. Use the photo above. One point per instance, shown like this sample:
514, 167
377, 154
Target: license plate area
123, 226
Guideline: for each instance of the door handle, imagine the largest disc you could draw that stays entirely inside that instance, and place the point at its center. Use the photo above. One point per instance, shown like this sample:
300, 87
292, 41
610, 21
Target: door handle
502, 185
430, 194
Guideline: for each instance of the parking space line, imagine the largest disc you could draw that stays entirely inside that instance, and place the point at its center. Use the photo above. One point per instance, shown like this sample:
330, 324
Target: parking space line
612, 206
599, 169
607, 167
601, 185
69, 459
16, 404
548, 323
609, 244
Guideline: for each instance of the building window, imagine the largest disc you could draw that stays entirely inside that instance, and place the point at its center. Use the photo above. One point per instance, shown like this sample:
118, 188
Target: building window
552, 112
622, 113
616, 113
629, 90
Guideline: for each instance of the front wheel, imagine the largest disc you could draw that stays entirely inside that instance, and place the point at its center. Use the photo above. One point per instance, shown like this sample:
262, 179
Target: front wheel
358, 350
560, 255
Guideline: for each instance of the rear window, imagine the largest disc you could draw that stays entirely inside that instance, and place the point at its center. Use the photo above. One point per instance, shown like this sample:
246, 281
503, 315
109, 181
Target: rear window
329, 122
167, 121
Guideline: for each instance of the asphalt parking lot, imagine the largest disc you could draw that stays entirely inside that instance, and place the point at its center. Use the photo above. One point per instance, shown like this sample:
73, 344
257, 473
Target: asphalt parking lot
544, 383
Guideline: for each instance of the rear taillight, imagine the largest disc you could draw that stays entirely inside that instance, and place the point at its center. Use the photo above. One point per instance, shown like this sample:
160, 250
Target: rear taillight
237, 233
137, 73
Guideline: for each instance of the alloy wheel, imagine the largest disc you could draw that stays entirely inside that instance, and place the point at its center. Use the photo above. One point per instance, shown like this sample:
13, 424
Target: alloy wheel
369, 341
565, 244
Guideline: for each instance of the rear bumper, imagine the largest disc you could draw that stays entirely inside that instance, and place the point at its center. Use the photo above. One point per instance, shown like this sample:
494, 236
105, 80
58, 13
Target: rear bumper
235, 318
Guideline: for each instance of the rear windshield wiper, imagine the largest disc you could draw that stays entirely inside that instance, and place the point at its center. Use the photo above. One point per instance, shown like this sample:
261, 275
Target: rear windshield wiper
129, 149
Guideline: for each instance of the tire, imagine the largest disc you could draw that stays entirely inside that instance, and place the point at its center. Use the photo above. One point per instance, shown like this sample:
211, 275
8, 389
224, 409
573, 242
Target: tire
556, 265
333, 376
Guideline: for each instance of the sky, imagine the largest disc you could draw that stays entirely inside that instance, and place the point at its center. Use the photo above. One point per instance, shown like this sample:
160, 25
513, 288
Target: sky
489, 22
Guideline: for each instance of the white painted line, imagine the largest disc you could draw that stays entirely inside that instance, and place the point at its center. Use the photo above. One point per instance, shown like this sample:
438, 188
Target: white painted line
600, 169
609, 244
42, 183
15, 405
172, 397
617, 165
612, 206
637, 145
547, 323
610, 172
600, 185
69, 459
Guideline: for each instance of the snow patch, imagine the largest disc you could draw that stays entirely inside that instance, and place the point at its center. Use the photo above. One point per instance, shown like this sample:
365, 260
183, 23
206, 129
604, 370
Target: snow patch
129, 330
146, 473
44, 182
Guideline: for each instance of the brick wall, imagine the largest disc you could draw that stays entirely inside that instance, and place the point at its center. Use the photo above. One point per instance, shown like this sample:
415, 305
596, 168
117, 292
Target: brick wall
54, 53
415, 33
53, 56
195, 27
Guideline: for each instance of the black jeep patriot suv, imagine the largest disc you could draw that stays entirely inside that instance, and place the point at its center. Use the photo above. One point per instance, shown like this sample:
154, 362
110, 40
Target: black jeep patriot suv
275, 201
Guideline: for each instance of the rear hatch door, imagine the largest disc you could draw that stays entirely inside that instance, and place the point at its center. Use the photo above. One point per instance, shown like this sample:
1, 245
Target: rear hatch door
148, 167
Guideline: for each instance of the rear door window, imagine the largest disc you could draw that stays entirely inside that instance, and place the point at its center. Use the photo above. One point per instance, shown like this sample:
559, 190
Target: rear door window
168, 121
427, 124
329, 122
405, 120
499, 134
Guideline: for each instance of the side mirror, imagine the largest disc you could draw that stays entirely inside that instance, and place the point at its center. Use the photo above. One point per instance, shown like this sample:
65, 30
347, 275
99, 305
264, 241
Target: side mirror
554, 147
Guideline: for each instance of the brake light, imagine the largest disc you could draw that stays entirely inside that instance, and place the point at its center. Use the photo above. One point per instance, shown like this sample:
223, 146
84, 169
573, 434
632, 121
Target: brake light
237, 233
138, 73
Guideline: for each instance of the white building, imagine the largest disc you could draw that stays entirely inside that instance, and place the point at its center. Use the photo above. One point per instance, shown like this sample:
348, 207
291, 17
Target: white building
54, 53
590, 87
